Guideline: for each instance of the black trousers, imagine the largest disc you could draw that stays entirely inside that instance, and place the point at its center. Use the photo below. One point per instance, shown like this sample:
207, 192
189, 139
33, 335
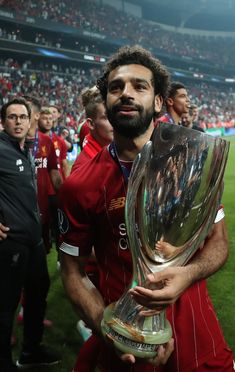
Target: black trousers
22, 267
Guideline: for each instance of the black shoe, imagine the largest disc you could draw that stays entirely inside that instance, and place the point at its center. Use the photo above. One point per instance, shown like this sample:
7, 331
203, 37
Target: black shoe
39, 357
13, 368
8, 368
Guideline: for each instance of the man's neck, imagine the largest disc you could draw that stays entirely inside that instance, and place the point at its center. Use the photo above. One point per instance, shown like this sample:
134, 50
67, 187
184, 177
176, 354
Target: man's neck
32, 130
128, 149
21, 144
174, 116
47, 133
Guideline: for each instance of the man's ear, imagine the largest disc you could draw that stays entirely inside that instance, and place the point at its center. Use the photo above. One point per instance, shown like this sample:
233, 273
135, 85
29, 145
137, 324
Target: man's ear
37, 116
169, 102
90, 123
158, 103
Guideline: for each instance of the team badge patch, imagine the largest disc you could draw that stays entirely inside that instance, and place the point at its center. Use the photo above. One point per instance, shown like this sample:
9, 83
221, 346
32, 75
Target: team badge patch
62, 221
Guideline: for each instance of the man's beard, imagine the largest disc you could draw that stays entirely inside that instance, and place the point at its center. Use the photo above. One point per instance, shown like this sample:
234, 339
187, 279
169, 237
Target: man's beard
131, 127
43, 130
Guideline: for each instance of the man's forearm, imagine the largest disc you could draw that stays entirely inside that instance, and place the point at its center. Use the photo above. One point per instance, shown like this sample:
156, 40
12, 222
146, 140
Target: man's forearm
56, 179
177, 279
212, 256
84, 296
66, 168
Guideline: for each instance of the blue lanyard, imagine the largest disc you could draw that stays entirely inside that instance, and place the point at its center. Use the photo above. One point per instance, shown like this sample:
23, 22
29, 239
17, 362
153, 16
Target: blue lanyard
35, 144
113, 152
169, 117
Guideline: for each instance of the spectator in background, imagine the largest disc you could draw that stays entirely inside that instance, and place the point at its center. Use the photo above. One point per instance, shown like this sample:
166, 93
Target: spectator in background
45, 124
57, 126
194, 113
177, 103
56, 116
65, 135
46, 164
45, 161
187, 119
22, 254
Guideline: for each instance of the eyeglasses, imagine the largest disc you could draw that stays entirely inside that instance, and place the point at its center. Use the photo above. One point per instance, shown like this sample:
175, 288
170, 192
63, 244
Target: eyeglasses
14, 117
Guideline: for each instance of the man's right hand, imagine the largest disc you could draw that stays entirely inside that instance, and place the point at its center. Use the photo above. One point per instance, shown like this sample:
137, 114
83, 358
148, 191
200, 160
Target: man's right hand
3, 231
161, 358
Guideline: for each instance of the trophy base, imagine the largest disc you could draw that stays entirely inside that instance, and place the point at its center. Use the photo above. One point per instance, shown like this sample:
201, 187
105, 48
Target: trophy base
128, 340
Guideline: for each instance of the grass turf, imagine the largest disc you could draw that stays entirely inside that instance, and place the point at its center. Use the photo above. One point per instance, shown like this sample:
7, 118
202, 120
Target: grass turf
64, 337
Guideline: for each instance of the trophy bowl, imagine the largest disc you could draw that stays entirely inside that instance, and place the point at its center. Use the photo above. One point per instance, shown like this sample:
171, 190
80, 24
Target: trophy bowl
173, 195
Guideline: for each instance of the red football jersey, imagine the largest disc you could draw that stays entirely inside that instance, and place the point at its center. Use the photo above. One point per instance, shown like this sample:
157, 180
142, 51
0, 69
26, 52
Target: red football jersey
90, 148
60, 150
45, 160
92, 202
84, 130
166, 118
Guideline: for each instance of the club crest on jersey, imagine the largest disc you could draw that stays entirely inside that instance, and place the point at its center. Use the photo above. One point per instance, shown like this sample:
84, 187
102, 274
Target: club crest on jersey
44, 150
117, 203
62, 221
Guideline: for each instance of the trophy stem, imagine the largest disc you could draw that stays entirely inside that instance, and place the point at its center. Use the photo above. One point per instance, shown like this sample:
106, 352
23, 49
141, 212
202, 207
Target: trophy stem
127, 337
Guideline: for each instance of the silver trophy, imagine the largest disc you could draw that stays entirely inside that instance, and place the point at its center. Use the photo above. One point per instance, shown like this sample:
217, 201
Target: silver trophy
174, 191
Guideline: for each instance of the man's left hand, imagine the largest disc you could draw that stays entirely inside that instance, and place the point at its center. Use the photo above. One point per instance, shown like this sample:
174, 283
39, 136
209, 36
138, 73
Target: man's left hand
173, 282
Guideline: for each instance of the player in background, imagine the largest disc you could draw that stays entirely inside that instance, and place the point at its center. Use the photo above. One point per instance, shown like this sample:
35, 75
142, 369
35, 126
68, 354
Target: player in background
177, 103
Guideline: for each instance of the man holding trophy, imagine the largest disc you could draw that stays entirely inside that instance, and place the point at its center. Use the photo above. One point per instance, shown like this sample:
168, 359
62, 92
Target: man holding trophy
155, 253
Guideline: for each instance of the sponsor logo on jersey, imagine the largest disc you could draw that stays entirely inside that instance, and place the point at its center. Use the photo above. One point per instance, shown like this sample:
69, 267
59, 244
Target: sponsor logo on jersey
41, 162
123, 245
117, 203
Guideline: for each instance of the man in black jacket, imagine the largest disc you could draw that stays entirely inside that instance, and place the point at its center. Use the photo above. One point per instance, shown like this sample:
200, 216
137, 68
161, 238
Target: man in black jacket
22, 254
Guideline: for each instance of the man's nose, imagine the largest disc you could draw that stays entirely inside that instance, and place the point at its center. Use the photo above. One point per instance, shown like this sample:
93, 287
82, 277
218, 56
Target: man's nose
128, 91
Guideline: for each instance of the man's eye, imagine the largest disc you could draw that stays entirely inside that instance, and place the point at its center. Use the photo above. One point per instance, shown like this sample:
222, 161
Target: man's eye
114, 88
141, 87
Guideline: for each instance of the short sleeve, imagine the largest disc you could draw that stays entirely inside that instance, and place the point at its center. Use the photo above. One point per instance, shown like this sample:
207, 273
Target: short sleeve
75, 223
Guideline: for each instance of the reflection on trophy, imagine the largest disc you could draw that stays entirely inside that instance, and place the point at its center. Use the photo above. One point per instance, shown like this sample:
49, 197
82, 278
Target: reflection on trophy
174, 191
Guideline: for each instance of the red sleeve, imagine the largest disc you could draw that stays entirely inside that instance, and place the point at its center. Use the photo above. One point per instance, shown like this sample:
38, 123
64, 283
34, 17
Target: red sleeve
83, 132
81, 159
63, 151
52, 158
74, 220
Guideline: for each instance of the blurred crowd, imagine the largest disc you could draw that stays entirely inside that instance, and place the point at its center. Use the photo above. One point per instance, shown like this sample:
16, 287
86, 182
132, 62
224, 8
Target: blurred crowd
90, 16
53, 86
62, 86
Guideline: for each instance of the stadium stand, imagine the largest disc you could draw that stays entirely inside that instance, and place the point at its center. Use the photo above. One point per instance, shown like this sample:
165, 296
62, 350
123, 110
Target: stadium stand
58, 65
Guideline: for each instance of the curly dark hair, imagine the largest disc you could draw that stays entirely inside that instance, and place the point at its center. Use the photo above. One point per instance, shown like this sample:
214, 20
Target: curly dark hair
136, 55
174, 86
